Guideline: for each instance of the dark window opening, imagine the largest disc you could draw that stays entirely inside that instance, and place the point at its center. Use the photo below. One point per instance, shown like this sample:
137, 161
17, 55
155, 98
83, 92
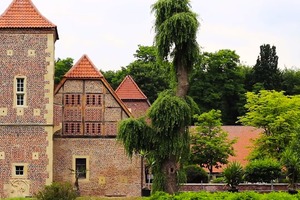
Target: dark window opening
19, 170
81, 167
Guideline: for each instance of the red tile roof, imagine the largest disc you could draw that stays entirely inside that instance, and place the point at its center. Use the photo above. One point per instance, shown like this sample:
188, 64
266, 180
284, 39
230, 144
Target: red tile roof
128, 89
23, 14
245, 136
84, 68
242, 148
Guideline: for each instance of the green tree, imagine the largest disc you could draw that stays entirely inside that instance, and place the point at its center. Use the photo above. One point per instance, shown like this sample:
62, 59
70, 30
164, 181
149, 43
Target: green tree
266, 71
291, 81
278, 116
264, 170
210, 145
150, 74
62, 66
217, 82
167, 137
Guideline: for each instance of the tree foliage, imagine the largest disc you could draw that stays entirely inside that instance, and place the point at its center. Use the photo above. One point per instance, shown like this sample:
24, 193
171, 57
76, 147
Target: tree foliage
62, 66
151, 75
264, 170
210, 145
233, 174
291, 162
162, 138
217, 82
195, 174
266, 71
278, 115
176, 29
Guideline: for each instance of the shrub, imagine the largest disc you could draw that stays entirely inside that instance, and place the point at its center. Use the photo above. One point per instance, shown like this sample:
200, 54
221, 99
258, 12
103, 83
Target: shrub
233, 174
55, 191
264, 170
195, 174
218, 180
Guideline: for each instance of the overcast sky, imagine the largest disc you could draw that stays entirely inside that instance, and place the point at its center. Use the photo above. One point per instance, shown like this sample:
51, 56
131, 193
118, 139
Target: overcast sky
109, 31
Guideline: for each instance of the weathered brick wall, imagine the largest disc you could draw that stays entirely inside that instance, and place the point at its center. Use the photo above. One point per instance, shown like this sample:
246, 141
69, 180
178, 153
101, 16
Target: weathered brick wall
23, 144
138, 108
26, 131
112, 173
33, 67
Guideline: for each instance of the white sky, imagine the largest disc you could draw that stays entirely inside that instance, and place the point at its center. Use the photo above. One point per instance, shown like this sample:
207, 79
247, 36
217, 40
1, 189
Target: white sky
109, 31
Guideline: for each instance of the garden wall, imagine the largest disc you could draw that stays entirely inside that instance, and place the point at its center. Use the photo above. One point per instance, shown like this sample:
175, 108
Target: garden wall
213, 187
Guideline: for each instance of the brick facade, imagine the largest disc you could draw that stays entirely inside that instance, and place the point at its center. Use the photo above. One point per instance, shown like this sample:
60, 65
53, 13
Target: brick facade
111, 173
87, 113
138, 107
44, 134
26, 130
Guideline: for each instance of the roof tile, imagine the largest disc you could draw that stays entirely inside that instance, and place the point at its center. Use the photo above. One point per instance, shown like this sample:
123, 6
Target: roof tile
84, 68
245, 135
128, 89
23, 14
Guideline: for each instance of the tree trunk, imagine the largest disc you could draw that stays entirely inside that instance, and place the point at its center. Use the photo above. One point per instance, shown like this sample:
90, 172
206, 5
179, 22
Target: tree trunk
182, 81
170, 169
171, 166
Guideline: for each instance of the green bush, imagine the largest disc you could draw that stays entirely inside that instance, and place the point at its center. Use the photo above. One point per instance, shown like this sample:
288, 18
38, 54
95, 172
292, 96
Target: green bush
195, 174
218, 180
264, 170
57, 191
233, 174
203, 195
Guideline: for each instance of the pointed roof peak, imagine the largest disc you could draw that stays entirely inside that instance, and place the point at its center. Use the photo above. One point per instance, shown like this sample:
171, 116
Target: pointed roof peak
24, 14
128, 89
84, 68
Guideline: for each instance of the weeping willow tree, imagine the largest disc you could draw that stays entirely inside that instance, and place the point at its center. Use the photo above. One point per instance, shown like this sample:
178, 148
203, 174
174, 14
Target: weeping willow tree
166, 138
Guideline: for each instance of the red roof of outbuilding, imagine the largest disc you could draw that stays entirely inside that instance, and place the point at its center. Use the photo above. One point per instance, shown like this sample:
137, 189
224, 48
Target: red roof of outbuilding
128, 89
23, 14
84, 68
245, 135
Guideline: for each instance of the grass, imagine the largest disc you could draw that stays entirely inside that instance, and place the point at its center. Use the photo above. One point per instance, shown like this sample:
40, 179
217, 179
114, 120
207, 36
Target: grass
88, 198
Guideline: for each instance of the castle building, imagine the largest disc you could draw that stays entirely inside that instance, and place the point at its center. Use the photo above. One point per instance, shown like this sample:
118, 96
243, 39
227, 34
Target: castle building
49, 135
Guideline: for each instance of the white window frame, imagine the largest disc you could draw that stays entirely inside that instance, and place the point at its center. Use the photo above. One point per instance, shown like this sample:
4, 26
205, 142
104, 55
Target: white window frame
20, 91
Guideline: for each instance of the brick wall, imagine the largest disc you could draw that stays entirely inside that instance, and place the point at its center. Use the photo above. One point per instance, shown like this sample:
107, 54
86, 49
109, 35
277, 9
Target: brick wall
111, 172
138, 108
25, 145
33, 67
26, 131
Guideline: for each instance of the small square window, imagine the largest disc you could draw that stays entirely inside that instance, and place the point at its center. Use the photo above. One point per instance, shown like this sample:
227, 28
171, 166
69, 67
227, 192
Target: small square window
19, 170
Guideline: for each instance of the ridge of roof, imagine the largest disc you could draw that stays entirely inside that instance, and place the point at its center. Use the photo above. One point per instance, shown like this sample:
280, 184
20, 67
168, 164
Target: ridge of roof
24, 14
72, 74
84, 68
128, 89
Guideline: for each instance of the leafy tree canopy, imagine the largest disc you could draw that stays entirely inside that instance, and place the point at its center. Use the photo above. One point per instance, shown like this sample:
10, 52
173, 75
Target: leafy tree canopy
278, 115
62, 66
163, 137
266, 70
210, 145
217, 82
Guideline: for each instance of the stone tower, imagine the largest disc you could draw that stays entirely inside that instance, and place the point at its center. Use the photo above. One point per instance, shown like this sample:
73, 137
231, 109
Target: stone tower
26, 101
